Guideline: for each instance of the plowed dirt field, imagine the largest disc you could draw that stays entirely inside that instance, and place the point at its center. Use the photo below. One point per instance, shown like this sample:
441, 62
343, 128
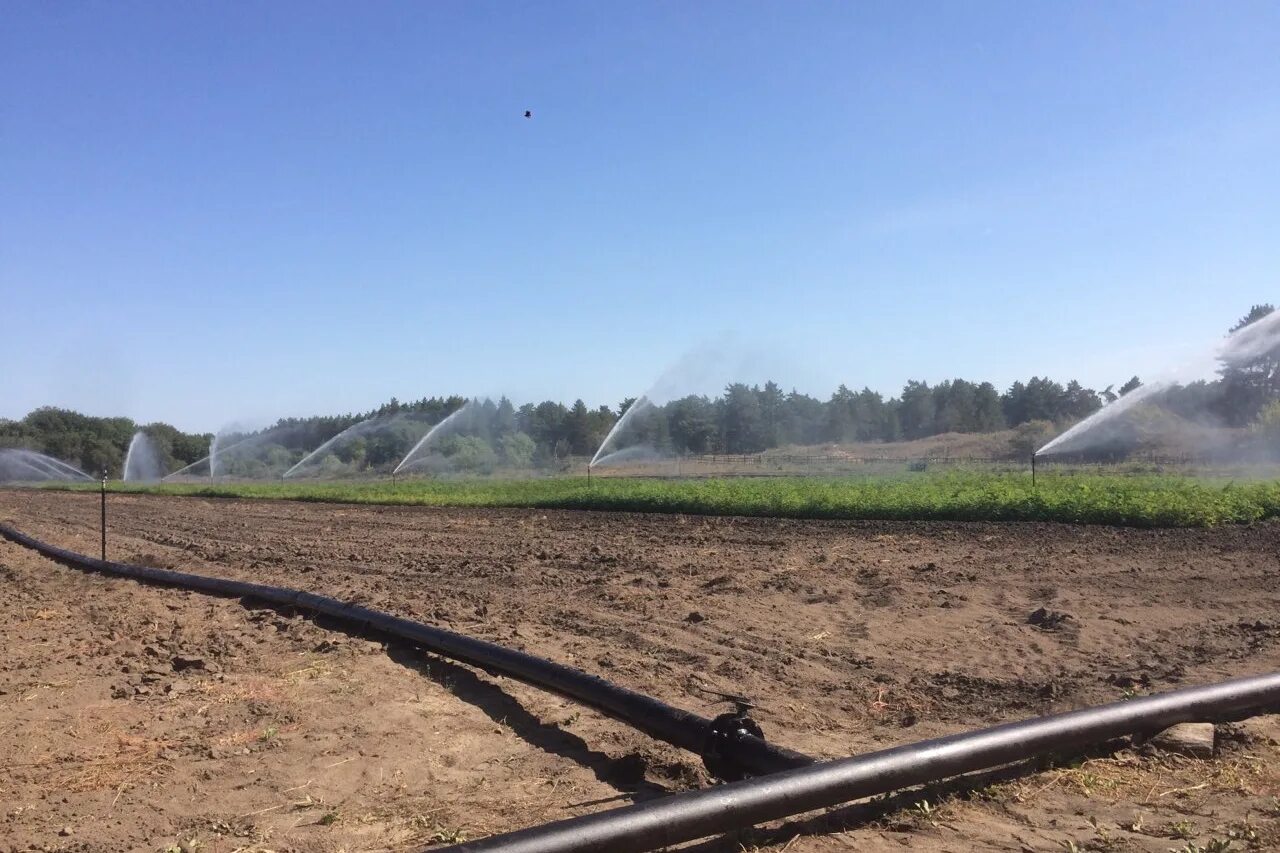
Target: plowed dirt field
134, 717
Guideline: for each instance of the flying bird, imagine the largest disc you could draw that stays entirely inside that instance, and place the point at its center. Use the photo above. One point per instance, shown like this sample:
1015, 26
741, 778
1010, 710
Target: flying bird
528, 113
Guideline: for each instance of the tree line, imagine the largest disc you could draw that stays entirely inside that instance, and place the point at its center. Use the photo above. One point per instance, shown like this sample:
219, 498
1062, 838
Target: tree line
742, 419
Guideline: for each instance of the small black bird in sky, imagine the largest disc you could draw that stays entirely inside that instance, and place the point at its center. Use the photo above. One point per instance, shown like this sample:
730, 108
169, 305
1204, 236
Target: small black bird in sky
528, 113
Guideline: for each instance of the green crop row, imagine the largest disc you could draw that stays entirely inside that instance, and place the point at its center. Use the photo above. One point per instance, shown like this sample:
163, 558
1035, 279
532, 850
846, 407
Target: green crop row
1142, 501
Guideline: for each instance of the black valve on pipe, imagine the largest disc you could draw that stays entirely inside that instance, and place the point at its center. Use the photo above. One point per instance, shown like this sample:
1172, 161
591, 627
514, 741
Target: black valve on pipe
721, 752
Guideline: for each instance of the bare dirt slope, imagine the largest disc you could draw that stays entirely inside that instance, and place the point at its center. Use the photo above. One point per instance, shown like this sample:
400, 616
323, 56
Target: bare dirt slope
851, 636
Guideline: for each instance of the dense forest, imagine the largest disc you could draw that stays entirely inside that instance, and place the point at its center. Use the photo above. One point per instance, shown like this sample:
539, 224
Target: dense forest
742, 419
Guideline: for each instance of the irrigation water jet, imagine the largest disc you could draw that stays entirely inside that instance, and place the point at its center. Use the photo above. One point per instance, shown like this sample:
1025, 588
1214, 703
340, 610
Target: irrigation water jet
698, 373
349, 432
378, 425
243, 437
418, 452
16, 460
1240, 347
239, 452
608, 448
1082, 435
213, 454
17, 466
190, 470
250, 438
142, 461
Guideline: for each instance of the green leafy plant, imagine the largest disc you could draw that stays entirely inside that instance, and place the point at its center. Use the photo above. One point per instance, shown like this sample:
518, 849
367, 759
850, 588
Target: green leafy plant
1131, 500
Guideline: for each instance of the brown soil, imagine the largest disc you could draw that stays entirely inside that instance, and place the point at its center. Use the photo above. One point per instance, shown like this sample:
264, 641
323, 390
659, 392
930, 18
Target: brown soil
134, 717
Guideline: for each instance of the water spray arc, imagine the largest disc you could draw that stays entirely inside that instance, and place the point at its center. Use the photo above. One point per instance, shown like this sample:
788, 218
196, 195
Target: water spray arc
696, 373
1239, 348
207, 459
128, 454
142, 460
26, 465
60, 468
407, 426
609, 447
44, 466
418, 451
1106, 414
246, 452
349, 432
216, 450
43, 473
213, 455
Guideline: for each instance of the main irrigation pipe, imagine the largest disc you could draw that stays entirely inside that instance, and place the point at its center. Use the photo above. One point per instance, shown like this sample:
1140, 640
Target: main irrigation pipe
657, 719
697, 814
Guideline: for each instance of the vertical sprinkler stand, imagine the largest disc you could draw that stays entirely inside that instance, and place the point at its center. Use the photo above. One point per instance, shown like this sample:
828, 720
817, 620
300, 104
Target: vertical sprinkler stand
1033, 470
104, 516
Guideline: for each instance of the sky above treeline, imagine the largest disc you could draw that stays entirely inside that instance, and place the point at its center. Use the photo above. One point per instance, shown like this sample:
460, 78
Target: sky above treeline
218, 212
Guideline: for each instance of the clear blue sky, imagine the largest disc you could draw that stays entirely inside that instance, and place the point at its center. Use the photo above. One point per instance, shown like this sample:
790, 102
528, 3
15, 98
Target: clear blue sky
218, 211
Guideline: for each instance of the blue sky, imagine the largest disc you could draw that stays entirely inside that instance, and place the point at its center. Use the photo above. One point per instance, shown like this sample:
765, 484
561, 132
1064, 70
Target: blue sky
213, 212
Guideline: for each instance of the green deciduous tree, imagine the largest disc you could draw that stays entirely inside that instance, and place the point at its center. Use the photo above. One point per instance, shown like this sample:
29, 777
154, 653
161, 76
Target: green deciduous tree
916, 410
516, 450
692, 425
1031, 436
741, 420
577, 429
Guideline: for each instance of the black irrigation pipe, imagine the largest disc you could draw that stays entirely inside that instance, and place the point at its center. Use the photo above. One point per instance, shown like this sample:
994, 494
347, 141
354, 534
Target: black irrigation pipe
697, 814
657, 719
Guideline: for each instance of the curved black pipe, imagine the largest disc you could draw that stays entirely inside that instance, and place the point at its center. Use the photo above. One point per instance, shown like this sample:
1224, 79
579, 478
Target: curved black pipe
657, 719
697, 814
